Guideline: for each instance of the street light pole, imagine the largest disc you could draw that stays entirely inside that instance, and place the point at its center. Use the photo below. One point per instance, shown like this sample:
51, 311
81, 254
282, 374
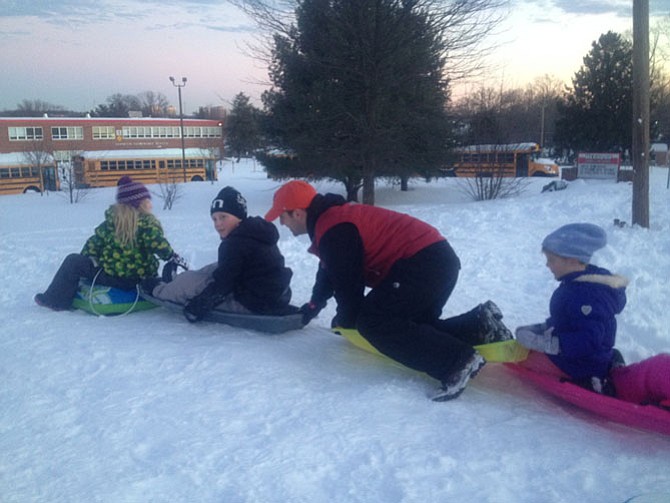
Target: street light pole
181, 123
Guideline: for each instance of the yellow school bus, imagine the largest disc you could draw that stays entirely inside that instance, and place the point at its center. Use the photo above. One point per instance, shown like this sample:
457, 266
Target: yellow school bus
501, 160
105, 168
19, 175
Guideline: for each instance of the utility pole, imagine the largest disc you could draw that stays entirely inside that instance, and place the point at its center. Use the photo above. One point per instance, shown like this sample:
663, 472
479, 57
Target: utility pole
542, 123
640, 142
181, 123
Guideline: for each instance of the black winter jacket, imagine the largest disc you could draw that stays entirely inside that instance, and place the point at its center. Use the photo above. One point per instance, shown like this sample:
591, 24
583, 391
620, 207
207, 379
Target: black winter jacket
342, 249
252, 268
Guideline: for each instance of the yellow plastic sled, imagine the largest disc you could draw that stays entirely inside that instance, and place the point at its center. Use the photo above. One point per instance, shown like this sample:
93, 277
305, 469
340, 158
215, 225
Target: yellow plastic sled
494, 352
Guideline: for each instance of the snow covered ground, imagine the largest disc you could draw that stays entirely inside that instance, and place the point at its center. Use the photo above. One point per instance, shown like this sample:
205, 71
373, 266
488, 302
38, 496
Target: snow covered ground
148, 407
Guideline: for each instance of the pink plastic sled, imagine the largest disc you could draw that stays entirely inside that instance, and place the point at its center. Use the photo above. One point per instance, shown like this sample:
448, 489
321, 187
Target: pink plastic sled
644, 417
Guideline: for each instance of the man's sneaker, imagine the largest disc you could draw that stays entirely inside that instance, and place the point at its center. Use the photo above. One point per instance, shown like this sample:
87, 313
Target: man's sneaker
41, 300
454, 386
491, 327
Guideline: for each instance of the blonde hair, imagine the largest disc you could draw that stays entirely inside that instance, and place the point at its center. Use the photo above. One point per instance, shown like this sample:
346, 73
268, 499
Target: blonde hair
126, 219
126, 222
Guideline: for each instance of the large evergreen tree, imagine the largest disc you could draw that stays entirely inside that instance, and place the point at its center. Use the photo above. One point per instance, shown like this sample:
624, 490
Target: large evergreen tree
242, 127
358, 91
596, 113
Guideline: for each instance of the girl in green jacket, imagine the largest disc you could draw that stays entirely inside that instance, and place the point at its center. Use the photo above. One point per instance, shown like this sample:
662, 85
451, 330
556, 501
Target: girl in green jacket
123, 250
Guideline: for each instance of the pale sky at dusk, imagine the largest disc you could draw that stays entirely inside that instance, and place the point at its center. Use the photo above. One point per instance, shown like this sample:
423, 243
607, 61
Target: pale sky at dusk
76, 53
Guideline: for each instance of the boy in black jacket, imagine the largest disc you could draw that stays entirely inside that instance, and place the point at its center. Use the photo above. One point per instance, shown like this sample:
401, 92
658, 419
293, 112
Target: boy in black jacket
250, 275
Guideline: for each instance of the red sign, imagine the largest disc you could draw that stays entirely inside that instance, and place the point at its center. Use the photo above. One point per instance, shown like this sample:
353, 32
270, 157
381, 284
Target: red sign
598, 165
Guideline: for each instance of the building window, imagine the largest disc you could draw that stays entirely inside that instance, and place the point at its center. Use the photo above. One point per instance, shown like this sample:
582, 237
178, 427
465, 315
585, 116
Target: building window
138, 132
213, 132
192, 132
25, 133
67, 133
104, 133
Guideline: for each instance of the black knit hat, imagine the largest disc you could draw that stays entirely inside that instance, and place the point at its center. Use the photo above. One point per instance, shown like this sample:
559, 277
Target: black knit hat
230, 201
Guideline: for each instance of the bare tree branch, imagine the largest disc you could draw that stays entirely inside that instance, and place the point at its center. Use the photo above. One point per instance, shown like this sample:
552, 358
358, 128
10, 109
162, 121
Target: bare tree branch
464, 25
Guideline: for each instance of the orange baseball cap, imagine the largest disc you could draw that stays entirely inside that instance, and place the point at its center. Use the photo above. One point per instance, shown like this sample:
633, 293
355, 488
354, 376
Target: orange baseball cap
293, 195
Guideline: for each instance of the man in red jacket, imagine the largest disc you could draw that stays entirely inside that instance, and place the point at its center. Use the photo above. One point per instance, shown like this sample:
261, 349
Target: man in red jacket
411, 270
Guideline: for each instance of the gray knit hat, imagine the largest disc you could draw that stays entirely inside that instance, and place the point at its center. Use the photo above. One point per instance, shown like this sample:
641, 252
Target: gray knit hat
575, 240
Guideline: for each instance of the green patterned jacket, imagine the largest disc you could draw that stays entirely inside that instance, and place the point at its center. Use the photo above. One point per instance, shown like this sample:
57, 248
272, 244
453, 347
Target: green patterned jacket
133, 262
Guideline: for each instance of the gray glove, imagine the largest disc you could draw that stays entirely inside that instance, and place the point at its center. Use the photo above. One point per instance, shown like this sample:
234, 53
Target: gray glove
538, 338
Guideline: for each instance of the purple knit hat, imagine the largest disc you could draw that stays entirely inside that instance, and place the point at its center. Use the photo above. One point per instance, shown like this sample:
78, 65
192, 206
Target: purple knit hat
130, 192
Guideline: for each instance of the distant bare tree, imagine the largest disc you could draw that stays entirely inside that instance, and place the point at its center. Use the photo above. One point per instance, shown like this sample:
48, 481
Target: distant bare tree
153, 104
489, 181
659, 42
485, 188
496, 115
464, 25
39, 155
170, 192
34, 108
70, 170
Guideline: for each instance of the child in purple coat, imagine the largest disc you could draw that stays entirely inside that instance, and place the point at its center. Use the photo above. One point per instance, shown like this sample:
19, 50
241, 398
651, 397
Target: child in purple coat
577, 340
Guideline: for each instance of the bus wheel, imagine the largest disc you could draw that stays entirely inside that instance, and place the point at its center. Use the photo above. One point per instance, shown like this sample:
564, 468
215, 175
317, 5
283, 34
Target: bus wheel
32, 188
197, 178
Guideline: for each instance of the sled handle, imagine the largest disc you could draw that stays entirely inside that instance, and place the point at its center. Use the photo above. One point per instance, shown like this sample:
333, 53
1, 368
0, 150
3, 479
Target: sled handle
493, 352
90, 297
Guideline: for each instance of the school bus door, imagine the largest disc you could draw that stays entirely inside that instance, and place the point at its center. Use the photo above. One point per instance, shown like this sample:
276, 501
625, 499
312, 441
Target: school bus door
50, 178
522, 164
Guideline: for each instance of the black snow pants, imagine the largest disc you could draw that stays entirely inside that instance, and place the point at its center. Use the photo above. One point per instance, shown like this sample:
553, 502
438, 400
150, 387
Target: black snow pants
65, 283
400, 317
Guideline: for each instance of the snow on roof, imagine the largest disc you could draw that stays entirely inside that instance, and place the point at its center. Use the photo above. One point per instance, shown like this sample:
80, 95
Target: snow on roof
150, 153
84, 120
14, 159
19, 158
530, 146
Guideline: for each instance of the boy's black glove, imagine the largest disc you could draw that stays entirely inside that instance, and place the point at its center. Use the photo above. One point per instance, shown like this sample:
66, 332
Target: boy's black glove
171, 266
196, 308
310, 310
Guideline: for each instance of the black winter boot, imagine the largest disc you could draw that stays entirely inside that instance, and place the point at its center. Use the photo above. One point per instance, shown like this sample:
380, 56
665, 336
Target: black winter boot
492, 329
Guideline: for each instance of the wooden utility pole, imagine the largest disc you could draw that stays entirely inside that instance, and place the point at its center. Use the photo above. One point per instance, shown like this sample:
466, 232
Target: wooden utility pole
641, 113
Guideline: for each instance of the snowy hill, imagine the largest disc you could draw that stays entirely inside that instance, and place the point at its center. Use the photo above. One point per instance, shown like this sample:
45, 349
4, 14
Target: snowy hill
148, 407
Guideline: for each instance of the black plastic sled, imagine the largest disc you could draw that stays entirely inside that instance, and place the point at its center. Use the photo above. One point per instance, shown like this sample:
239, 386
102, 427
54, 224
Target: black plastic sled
271, 324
